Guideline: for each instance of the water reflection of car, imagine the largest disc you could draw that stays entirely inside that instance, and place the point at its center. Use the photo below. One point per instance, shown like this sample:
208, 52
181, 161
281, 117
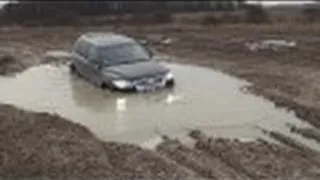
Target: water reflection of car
96, 100
118, 62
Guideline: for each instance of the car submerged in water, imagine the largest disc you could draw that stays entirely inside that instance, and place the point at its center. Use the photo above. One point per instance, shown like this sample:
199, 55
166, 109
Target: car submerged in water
118, 62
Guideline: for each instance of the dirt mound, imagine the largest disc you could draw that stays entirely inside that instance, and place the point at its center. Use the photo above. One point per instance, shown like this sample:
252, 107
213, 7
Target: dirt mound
133, 161
43, 145
259, 159
9, 64
201, 162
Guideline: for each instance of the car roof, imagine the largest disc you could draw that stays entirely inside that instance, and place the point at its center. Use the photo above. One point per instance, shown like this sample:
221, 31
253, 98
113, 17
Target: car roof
106, 39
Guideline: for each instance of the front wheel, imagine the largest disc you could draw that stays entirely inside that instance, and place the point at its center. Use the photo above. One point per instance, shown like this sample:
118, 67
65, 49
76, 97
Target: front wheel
72, 68
106, 86
170, 83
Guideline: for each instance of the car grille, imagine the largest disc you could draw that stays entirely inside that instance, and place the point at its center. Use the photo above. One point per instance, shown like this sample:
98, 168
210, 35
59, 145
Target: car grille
149, 80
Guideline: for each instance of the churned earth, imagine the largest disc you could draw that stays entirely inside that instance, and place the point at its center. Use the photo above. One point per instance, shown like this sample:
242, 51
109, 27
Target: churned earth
46, 146
69, 128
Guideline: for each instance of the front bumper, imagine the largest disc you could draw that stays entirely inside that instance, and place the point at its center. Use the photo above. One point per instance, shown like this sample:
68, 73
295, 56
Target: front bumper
147, 87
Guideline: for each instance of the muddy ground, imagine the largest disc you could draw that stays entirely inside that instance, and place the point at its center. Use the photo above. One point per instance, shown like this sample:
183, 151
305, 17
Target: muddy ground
288, 77
41, 145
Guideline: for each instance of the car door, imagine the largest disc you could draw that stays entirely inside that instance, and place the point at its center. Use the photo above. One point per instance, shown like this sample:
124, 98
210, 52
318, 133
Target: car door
94, 66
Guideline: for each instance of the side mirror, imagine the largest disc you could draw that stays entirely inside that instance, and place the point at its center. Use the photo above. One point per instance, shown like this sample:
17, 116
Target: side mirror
98, 66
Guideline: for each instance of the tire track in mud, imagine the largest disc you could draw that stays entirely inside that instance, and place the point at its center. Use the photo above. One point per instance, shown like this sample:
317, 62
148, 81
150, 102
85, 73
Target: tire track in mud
205, 145
308, 152
301, 149
306, 132
132, 161
308, 114
202, 163
291, 156
258, 159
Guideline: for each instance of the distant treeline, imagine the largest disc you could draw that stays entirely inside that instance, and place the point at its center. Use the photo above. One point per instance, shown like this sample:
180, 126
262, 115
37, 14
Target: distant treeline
40, 10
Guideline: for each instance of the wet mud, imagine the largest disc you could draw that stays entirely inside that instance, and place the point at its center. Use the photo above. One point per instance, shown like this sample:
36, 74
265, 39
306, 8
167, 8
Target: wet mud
45, 146
221, 114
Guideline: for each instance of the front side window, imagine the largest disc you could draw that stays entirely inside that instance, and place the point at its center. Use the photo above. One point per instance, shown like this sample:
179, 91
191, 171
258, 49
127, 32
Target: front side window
81, 48
93, 55
123, 54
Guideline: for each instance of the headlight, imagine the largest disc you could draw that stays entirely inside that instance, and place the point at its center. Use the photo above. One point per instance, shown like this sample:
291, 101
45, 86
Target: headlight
121, 84
169, 76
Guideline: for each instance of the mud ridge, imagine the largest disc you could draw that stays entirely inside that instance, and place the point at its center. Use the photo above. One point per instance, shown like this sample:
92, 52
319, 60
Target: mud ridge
308, 114
201, 162
292, 143
46, 146
253, 158
10, 64
306, 132
133, 161
301, 149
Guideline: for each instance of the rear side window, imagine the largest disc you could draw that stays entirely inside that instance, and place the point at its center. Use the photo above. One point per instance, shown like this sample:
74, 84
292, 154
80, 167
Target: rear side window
82, 48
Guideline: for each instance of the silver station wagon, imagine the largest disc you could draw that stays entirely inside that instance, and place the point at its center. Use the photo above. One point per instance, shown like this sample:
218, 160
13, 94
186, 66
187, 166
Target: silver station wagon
118, 62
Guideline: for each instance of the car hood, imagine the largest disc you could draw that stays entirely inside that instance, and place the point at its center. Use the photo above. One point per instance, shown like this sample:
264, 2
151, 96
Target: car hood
137, 70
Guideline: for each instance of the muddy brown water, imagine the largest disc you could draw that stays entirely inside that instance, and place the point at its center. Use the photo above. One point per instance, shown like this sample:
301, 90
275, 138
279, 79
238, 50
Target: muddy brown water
202, 99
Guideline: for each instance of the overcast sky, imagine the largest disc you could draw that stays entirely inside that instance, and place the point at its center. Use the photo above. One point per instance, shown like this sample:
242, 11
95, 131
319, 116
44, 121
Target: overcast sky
267, 3
271, 3
3, 2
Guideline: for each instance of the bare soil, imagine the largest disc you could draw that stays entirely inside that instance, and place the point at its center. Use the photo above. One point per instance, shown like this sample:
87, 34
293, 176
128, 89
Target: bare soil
40, 145
43, 145
46, 146
9, 64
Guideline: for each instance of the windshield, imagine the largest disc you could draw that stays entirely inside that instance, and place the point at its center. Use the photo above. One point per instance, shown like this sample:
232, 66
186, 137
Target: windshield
123, 53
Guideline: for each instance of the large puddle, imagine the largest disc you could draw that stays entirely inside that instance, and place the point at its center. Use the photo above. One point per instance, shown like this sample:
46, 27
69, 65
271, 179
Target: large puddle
202, 99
